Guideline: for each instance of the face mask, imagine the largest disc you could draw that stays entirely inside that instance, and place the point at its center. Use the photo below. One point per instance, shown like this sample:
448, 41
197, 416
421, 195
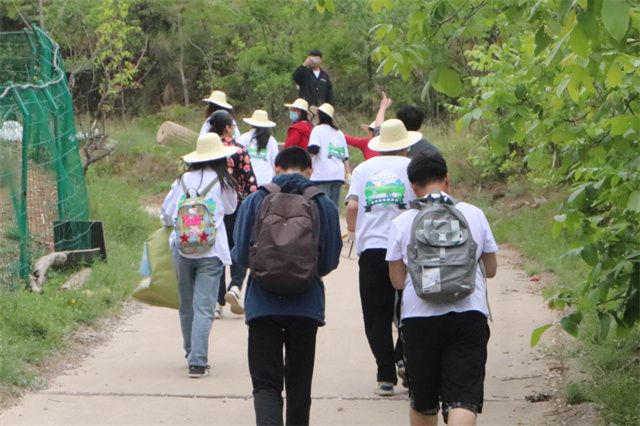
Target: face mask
294, 116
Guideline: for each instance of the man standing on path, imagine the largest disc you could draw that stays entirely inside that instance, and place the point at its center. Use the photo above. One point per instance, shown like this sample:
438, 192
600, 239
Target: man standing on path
314, 84
378, 193
412, 118
279, 320
445, 343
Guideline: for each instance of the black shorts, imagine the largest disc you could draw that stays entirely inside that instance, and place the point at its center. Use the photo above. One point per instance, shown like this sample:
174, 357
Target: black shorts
445, 360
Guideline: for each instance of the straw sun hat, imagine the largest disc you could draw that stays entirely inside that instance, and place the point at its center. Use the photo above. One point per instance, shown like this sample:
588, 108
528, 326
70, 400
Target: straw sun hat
326, 108
393, 137
300, 104
367, 127
260, 118
209, 147
219, 98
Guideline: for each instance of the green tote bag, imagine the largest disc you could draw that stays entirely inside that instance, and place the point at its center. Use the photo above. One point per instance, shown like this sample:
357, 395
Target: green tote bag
161, 288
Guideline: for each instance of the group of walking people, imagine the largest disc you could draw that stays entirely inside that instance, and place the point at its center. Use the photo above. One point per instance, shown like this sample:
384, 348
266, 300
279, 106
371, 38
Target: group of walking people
232, 185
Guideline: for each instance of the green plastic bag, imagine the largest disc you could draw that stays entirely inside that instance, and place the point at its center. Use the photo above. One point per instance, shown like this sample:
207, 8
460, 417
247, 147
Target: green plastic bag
161, 288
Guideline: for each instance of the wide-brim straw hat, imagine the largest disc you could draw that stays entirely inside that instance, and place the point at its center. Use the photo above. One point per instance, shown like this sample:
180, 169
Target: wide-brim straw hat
219, 98
300, 104
326, 108
393, 137
367, 127
260, 118
209, 147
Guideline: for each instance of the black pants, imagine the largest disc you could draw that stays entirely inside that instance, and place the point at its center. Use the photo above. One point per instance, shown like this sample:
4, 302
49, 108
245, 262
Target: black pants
377, 297
238, 272
269, 371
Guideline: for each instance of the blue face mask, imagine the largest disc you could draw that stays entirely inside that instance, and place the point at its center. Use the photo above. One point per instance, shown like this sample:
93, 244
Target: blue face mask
294, 116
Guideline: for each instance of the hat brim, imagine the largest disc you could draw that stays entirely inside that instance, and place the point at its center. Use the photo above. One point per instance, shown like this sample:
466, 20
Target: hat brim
411, 138
256, 123
315, 110
222, 104
195, 157
366, 127
297, 107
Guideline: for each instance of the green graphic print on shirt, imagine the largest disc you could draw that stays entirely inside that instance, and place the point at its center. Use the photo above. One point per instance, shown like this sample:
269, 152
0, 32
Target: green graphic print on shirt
254, 154
336, 152
384, 189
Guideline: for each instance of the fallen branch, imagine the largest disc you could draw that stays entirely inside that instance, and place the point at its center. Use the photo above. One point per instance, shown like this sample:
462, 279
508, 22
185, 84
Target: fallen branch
38, 275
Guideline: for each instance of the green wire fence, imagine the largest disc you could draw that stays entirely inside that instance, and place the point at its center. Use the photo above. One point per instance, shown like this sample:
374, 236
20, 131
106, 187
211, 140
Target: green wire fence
42, 184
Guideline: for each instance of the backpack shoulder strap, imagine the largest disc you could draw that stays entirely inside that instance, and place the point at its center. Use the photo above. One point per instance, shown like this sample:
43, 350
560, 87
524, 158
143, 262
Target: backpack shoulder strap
208, 187
271, 188
184, 187
311, 192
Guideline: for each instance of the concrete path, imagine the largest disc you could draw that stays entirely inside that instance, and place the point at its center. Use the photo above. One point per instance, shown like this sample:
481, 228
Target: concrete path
140, 376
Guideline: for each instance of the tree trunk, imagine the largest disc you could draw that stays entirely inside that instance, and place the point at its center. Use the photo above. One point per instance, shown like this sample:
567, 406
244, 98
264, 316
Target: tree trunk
171, 133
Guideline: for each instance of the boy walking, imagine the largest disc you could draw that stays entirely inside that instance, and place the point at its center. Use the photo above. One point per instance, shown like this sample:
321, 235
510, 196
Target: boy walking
445, 343
278, 320
378, 193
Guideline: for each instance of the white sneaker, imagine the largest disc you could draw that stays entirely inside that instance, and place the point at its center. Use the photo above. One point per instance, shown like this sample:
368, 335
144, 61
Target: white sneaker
384, 389
218, 313
233, 298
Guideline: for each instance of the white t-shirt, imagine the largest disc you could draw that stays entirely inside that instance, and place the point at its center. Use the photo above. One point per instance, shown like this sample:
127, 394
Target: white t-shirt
328, 164
414, 306
263, 161
382, 189
205, 129
220, 202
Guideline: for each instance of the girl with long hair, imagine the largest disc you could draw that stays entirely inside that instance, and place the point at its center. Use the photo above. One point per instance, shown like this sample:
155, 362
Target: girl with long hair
330, 153
239, 166
198, 269
262, 147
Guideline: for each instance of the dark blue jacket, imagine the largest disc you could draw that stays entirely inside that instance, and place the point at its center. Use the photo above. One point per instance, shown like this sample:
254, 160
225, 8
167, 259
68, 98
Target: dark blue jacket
259, 302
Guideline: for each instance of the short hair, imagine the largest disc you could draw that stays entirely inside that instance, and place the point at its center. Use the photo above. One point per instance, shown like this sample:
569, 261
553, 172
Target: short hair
316, 52
294, 158
411, 116
427, 168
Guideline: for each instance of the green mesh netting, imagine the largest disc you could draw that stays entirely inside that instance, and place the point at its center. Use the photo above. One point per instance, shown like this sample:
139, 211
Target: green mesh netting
41, 177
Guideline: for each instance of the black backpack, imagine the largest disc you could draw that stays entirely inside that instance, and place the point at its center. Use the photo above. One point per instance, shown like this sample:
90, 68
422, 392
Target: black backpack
286, 241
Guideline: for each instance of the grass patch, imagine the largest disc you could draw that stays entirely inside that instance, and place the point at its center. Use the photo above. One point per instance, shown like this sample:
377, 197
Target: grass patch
33, 326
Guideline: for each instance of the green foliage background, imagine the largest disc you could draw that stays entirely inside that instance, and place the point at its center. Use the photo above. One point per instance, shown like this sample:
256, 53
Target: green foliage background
551, 89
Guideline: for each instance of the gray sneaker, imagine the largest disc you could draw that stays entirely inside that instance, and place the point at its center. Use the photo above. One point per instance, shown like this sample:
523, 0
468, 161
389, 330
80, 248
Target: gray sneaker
198, 371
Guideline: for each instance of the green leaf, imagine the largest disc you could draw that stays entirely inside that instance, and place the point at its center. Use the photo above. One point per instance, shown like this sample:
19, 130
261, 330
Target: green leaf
389, 63
500, 137
590, 254
605, 324
555, 50
330, 5
537, 333
448, 82
634, 201
569, 326
620, 124
487, 95
563, 9
542, 40
614, 75
556, 229
579, 41
320, 6
593, 297
615, 16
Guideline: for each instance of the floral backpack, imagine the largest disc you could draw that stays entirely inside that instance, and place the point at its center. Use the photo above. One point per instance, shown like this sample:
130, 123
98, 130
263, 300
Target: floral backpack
195, 228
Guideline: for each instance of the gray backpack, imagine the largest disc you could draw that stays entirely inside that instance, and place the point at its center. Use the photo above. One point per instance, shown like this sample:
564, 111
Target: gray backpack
441, 253
284, 256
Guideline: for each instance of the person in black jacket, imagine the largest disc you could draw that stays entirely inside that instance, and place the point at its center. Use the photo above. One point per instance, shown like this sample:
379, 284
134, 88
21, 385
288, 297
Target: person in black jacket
313, 82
